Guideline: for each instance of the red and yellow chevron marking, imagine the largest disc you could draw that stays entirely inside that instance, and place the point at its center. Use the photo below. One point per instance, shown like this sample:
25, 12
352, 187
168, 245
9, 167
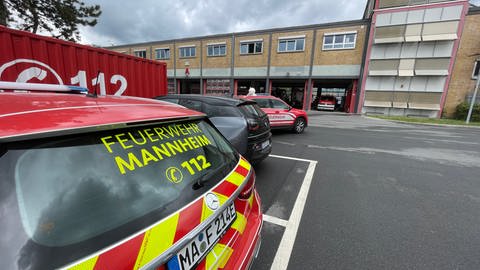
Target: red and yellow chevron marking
240, 223
143, 248
218, 257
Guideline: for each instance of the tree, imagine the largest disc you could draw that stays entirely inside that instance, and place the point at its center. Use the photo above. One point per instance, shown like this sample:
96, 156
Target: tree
58, 17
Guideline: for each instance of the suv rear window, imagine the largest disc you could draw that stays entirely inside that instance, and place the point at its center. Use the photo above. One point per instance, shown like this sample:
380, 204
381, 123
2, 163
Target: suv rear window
252, 110
221, 111
74, 190
262, 102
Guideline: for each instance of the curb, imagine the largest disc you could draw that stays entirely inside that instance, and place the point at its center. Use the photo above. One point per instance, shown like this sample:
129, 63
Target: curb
424, 124
314, 113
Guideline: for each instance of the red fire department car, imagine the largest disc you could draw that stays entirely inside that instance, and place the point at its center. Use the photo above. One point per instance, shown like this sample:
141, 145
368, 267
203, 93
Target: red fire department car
103, 182
280, 114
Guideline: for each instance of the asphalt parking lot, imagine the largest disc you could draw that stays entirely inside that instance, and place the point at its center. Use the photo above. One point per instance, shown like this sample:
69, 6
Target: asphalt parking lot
360, 193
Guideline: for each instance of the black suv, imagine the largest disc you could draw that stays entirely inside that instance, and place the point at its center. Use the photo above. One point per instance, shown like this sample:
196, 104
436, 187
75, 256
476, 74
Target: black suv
241, 121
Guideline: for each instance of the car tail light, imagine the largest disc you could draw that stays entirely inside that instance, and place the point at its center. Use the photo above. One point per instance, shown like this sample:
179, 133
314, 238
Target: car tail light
252, 124
249, 187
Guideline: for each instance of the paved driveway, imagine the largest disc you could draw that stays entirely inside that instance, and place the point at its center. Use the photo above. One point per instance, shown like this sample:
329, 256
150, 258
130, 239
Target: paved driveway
382, 196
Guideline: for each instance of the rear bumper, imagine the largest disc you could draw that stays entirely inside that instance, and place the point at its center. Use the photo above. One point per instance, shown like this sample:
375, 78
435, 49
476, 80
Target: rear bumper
255, 151
247, 246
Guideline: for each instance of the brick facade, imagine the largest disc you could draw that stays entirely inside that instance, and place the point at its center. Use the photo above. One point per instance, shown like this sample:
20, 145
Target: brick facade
462, 83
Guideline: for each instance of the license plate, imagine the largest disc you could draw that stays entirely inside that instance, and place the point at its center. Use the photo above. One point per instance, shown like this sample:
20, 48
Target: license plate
265, 144
189, 257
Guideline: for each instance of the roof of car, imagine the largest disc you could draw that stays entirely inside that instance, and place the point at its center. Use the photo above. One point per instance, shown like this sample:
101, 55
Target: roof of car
33, 113
260, 97
214, 100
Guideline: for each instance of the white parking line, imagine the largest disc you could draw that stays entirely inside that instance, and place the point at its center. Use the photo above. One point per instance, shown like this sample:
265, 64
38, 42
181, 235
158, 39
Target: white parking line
284, 251
275, 220
293, 158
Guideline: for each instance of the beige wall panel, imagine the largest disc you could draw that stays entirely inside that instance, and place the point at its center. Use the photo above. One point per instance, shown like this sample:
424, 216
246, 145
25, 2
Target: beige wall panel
378, 99
440, 31
413, 32
392, 3
389, 34
424, 101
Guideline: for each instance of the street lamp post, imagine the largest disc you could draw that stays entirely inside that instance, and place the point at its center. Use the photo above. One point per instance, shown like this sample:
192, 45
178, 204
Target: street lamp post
474, 98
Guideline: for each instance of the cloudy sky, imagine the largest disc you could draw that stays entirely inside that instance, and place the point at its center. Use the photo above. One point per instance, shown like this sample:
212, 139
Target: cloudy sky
137, 21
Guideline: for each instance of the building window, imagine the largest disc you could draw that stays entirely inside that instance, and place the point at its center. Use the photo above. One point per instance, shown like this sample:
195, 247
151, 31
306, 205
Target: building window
291, 45
339, 41
476, 69
140, 53
254, 47
162, 54
187, 52
216, 50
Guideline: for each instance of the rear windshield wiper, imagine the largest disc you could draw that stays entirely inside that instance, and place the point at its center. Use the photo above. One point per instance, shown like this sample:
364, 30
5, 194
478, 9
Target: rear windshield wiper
206, 177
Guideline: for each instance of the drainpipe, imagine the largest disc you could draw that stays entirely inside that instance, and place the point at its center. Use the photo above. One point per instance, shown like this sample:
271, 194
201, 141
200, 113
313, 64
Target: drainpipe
232, 67
201, 68
267, 83
310, 72
175, 66
474, 98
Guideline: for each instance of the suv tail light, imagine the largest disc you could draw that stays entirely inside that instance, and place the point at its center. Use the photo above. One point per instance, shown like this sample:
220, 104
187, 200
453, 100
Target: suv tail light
248, 188
252, 124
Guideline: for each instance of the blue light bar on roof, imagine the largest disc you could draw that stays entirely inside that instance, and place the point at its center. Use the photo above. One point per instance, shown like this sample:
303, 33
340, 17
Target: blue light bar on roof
43, 87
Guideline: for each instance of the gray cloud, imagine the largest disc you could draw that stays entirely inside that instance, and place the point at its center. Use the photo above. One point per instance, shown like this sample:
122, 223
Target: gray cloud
150, 20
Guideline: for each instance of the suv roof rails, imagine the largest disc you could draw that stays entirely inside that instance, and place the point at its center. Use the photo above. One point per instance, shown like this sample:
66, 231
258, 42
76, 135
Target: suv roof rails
43, 87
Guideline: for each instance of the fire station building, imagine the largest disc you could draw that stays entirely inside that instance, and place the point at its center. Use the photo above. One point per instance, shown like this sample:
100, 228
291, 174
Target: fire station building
404, 57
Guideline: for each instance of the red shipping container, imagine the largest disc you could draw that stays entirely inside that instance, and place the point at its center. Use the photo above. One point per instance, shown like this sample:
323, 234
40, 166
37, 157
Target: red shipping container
26, 57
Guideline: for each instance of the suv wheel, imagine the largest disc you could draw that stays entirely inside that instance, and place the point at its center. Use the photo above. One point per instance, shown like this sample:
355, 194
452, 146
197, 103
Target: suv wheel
299, 125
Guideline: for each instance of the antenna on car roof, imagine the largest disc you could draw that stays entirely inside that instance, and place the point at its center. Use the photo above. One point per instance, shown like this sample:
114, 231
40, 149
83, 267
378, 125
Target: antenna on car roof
94, 95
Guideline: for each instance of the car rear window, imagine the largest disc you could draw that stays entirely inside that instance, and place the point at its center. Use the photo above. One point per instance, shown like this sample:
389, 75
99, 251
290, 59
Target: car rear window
252, 110
79, 191
277, 104
221, 111
262, 102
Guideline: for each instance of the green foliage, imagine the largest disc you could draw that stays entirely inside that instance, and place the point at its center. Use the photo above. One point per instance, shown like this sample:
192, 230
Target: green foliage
462, 112
58, 17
